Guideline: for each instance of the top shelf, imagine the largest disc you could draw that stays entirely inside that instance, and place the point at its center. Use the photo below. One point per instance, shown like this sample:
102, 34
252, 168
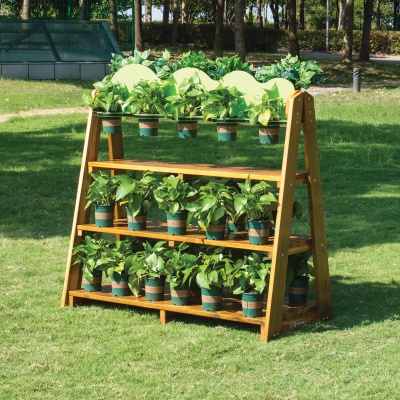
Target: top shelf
255, 173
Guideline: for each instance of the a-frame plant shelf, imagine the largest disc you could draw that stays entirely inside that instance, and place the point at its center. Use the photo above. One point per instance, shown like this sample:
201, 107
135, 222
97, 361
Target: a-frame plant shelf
278, 316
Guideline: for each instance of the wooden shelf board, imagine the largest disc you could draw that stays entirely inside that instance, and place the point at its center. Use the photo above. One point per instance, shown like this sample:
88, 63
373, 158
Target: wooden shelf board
158, 231
231, 307
255, 173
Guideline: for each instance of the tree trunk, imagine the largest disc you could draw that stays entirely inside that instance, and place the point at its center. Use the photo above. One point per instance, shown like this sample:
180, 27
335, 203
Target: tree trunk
219, 27
342, 15
113, 18
293, 39
26, 10
149, 10
395, 15
250, 20
166, 12
240, 47
138, 26
366, 33
274, 6
378, 15
175, 22
259, 14
347, 53
301, 15
185, 11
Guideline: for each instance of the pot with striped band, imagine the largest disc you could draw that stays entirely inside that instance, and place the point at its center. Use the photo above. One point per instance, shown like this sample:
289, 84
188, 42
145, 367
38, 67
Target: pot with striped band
154, 288
211, 299
227, 131
138, 222
176, 223
103, 215
180, 295
187, 129
119, 284
298, 290
252, 304
148, 126
217, 231
95, 284
111, 123
258, 231
269, 134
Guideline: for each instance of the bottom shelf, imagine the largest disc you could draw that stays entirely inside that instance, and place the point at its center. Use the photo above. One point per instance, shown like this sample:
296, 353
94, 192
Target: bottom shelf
294, 317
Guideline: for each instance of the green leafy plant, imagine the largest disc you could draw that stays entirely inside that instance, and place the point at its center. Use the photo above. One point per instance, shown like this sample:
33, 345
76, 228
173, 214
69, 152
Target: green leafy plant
107, 96
146, 98
186, 103
212, 269
103, 189
301, 73
257, 201
181, 266
250, 274
215, 200
136, 191
174, 194
148, 262
92, 254
222, 103
299, 264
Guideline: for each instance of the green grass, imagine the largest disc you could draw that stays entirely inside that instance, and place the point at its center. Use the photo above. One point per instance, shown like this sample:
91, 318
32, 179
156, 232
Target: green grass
110, 352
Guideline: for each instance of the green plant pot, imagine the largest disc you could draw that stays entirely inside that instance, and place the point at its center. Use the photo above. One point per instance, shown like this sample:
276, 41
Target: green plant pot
269, 135
187, 129
252, 304
95, 286
227, 131
211, 299
111, 124
238, 226
103, 215
258, 231
137, 223
180, 295
148, 126
119, 285
298, 290
217, 232
176, 224
154, 288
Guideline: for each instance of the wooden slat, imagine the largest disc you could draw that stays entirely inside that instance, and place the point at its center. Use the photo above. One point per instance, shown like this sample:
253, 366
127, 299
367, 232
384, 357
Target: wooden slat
197, 170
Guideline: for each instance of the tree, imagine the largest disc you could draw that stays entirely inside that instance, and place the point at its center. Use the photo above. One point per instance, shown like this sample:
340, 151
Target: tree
301, 15
240, 47
366, 32
342, 15
26, 10
138, 26
185, 11
347, 53
219, 27
274, 6
113, 18
166, 12
149, 12
378, 15
175, 22
259, 14
294, 49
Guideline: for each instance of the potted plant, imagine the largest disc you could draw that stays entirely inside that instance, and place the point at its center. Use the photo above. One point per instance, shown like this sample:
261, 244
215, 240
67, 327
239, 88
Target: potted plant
136, 191
148, 265
214, 203
109, 99
146, 101
181, 268
249, 277
226, 105
257, 202
102, 193
174, 196
267, 112
299, 271
211, 277
117, 270
185, 105
91, 255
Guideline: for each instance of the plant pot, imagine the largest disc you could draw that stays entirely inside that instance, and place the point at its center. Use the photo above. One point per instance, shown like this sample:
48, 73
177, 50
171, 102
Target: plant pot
258, 231
95, 285
227, 131
216, 232
187, 129
238, 226
154, 288
252, 304
137, 223
180, 295
269, 135
111, 124
148, 126
211, 299
176, 224
298, 290
119, 285
103, 215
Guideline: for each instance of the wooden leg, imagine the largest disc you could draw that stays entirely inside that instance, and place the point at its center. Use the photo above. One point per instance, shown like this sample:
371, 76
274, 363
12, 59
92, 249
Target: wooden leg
165, 317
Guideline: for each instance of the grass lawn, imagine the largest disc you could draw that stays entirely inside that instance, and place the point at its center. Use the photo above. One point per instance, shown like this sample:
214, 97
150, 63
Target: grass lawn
110, 352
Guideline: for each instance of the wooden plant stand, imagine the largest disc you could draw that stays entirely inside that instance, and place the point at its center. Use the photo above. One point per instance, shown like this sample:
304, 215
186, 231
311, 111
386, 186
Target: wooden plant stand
278, 316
